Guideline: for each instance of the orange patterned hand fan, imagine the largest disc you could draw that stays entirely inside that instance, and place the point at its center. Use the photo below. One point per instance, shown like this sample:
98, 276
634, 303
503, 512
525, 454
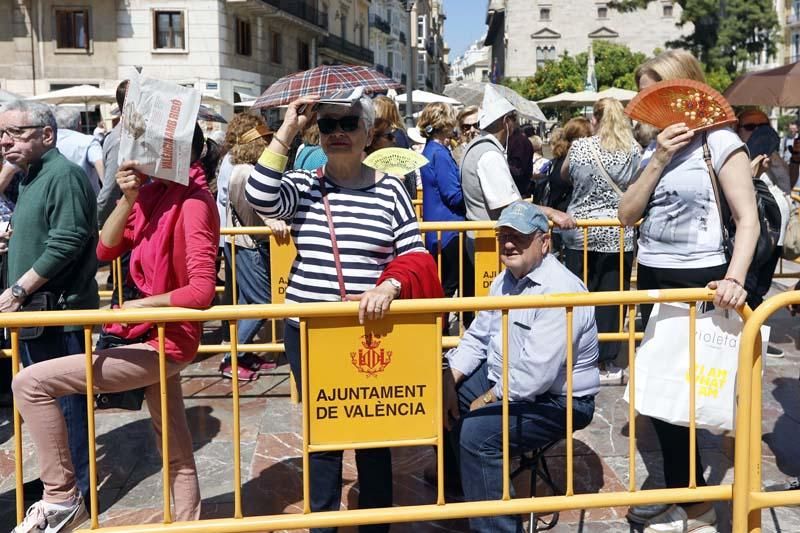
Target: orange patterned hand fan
673, 101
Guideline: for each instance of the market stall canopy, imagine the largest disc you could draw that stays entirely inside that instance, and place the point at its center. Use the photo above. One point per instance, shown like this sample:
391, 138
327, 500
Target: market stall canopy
87, 95
471, 93
424, 97
583, 98
778, 87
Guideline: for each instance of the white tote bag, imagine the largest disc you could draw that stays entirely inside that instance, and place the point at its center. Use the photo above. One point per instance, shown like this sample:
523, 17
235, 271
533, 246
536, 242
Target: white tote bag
662, 366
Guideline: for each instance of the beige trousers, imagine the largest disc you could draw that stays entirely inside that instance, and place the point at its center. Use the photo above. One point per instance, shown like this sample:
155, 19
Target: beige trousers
37, 387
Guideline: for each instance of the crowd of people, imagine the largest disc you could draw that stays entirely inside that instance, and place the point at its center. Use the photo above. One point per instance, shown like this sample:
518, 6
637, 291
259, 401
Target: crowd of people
358, 239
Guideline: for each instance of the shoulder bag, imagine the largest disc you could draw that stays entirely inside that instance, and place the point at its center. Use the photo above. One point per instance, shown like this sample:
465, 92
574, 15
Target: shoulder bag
603, 173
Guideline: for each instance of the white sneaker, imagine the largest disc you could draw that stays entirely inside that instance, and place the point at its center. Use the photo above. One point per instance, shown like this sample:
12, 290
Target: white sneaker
49, 518
675, 520
612, 375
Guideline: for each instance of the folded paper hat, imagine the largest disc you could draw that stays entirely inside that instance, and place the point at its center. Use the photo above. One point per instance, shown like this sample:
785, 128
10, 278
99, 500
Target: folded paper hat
494, 106
524, 217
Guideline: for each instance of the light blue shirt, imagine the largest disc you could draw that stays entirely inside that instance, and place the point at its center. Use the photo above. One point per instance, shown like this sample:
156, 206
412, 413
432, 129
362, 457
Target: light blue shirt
537, 338
83, 150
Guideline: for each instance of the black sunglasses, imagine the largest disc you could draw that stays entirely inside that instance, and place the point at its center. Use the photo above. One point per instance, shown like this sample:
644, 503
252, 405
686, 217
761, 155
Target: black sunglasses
468, 126
347, 124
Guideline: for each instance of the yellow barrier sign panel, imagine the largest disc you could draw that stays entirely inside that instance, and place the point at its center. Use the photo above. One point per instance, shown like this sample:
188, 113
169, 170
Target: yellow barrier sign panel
487, 262
376, 382
281, 256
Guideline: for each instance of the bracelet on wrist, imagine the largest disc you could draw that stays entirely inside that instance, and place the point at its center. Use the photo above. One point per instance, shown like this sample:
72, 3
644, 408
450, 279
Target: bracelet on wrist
735, 281
281, 141
445, 363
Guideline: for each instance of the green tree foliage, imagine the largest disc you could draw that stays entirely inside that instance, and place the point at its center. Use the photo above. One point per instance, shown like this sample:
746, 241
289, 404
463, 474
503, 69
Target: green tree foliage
614, 67
725, 33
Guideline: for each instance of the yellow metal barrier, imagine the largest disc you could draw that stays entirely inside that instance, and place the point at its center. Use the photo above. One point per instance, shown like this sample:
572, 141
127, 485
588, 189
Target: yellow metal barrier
441, 510
749, 496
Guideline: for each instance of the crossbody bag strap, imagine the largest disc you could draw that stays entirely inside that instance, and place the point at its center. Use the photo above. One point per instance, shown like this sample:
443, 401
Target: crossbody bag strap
337, 261
715, 185
603, 173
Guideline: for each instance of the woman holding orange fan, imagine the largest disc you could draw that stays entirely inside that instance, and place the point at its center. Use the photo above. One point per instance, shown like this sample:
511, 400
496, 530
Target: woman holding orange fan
681, 246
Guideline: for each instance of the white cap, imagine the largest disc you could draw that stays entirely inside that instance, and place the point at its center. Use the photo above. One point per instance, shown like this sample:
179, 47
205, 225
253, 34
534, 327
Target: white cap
494, 106
415, 136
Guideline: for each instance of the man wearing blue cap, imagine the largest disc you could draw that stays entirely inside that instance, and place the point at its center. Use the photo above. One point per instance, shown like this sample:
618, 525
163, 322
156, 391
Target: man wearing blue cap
537, 344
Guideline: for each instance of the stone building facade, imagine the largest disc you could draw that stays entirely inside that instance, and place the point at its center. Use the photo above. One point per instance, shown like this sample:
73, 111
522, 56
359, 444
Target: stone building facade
524, 34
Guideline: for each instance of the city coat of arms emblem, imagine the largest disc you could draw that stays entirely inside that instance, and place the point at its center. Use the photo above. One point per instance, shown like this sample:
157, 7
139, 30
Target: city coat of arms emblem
371, 359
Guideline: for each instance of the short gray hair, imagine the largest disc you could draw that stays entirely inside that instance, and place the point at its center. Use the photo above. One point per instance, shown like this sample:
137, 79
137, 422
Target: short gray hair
38, 113
364, 106
67, 118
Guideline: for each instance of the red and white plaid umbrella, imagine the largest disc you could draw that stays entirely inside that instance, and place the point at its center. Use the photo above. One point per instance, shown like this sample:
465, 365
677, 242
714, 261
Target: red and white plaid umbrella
322, 81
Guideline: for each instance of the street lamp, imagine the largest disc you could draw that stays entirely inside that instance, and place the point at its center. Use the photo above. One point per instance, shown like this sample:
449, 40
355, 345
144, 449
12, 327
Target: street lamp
409, 118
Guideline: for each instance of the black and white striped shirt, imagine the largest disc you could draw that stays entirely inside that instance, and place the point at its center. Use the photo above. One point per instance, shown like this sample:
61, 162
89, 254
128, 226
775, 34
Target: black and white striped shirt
373, 225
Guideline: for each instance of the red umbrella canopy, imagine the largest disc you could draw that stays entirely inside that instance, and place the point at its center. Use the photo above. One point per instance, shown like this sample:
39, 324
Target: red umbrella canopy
322, 81
779, 87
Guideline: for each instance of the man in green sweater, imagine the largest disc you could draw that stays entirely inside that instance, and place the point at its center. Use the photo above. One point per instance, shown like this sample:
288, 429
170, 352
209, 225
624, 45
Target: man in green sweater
52, 248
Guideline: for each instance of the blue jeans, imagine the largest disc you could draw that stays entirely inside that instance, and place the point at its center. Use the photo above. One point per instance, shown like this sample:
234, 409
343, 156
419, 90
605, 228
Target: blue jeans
53, 343
253, 285
325, 469
479, 436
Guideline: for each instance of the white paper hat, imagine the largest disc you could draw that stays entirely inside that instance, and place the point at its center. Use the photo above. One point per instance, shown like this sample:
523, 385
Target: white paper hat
494, 106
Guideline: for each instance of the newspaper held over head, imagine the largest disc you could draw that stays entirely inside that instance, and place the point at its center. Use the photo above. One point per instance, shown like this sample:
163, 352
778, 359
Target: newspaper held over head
158, 121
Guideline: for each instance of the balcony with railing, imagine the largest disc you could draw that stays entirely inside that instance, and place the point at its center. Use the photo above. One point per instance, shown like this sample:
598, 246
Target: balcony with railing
300, 9
375, 21
343, 46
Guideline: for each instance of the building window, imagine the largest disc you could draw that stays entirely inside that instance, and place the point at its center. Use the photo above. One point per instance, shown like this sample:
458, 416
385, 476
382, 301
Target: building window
72, 28
421, 31
343, 29
544, 54
667, 10
324, 16
602, 12
169, 29
303, 53
276, 52
244, 42
544, 13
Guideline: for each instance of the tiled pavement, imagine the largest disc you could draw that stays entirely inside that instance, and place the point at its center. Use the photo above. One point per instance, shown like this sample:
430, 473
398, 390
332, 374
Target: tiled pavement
130, 476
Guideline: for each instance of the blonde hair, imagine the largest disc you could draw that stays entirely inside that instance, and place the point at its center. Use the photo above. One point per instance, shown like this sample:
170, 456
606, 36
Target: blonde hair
671, 65
311, 134
386, 108
575, 128
437, 116
469, 110
244, 153
613, 126
536, 143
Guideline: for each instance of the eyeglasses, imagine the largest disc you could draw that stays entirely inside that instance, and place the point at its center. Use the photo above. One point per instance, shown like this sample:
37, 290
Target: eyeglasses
749, 127
347, 124
16, 132
468, 126
389, 135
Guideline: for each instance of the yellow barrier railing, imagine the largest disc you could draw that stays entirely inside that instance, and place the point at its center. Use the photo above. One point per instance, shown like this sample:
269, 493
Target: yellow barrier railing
433, 308
749, 496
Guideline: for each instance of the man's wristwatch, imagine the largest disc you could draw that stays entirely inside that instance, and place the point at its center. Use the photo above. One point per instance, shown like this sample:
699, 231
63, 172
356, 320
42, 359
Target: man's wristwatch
487, 398
396, 284
19, 292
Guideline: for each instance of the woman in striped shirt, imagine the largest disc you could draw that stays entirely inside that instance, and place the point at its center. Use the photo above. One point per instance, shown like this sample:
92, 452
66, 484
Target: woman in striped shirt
373, 222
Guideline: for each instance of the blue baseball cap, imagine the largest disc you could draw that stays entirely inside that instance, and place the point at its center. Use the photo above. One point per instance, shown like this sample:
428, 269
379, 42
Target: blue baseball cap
524, 217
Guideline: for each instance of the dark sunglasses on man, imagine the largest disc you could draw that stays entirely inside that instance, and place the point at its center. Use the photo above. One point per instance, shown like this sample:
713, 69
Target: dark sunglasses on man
466, 126
347, 124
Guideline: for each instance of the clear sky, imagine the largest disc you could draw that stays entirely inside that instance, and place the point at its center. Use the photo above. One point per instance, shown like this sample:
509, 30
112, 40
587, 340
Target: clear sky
466, 21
